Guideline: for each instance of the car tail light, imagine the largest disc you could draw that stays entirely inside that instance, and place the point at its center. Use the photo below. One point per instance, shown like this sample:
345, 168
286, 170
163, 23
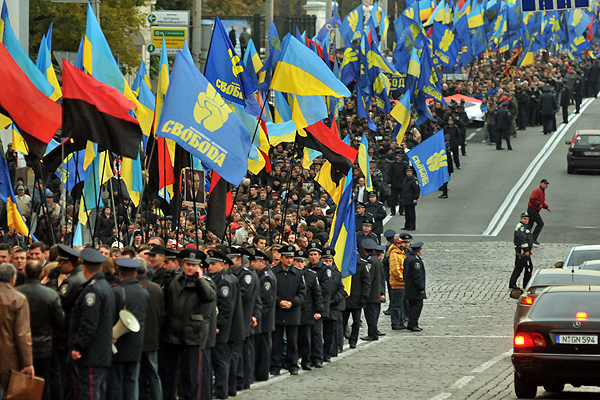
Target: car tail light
581, 316
529, 339
527, 300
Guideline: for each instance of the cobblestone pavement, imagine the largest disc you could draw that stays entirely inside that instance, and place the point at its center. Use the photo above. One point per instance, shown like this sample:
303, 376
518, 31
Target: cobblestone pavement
463, 351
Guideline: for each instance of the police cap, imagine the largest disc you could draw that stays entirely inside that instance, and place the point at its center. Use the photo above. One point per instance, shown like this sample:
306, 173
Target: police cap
369, 244
314, 246
171, 253
360, 204
259, 255
416, 245
127, 263
234, 251
367, 221
157, 250
287, 251
371, 194
215, 256
390, 233
192, 256
66, 253
328, 252
300, 255
406, 237
91, 256
524, 215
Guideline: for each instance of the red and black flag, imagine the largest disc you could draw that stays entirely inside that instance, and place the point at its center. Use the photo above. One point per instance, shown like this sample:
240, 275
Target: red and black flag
220, 203
319, 137
99, 113
37, 117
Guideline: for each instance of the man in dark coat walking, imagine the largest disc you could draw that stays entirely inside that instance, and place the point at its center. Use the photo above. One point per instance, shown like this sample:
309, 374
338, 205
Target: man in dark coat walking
359, 293
377, 292
503, 126
414, 285
410, 195
548, 107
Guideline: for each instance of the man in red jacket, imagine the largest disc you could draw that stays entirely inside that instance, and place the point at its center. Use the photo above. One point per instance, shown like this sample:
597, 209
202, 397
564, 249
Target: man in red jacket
537, 201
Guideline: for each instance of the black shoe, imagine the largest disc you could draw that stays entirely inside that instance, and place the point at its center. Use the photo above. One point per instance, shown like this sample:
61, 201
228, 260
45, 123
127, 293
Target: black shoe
457, 167
398, 327
327, 359
306, 368
501, 148
347, 336
415, 329
318, 365
514, 287
536, 242
368, 338
510, 148
576, 112
410, 229
352, 346
393, 213
276, 372
444, 196
294, 372
387, 312
381, 333
401, 213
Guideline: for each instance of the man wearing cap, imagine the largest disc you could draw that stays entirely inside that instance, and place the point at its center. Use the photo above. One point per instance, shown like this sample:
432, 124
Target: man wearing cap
228, 299
130, 296
183, 329
311, 309
23, 202
523, 241
365, 233
414, 282
337, 303
389, 235
356, 301
537, 201
291, 293
361, 214
68, 291
395, 178
165, 264
503, 125
91, 329
266, 322
411, 191
324, 277
397, 254
251, 305
377, 210
377, 289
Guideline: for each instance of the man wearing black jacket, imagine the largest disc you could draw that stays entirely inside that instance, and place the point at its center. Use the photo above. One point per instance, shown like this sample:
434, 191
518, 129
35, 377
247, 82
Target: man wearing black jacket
395, 177
266, 323
503, 126
578, 90
377, 292
359, 293
414, 285
337, 296
130, 296
377, 210
324, 276
453, 132
411, 191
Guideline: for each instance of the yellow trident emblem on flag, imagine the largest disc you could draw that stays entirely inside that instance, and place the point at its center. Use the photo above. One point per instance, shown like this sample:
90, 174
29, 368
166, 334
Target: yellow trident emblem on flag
211, 110
446, 40
437, 161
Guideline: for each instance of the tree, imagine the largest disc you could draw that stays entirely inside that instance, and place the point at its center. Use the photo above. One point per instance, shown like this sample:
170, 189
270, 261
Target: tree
215, 7
119, 19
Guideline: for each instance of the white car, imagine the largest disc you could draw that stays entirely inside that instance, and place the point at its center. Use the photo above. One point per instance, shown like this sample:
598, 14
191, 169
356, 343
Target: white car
578, 255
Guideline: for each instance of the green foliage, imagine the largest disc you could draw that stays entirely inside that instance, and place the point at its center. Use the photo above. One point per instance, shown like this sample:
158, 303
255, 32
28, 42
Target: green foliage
174, 4
119, 20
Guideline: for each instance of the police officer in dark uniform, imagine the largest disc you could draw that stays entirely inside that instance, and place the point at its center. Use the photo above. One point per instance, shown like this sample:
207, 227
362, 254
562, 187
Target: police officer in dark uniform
410, 195
266, 322
183, 329
361, 215
208, 341
311, 308
337, 302
377, 292
578, 90
365, 233
414, 285
324, 275
130, 296
163, 275
389, 235
68, 290
523, 241
377, 210
228, 293
359, 293
291, 292
90, 339
251, 305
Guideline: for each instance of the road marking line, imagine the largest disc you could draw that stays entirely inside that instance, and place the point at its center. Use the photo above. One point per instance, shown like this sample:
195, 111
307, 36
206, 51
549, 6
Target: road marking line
462, 382
471, 135
347, 352
586, 227
387, 219
515, 193
451, 234
441, 396
491, 362
478, 129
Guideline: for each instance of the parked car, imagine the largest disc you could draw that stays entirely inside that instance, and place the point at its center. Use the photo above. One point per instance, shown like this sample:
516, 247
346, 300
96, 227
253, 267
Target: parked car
578, 255
584, 151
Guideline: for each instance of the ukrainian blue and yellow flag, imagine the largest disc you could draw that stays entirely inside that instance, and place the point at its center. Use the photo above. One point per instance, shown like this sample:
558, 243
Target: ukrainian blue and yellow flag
300, 71
363, 162
14, 217
401, 113
253, 64
308, 110
101, 171
141, 75
147, 103
131, 172
44, 64
3, 17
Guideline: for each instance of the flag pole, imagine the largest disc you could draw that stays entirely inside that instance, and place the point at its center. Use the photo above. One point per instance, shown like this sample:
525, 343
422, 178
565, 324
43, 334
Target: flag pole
287, 190
142, 198
194, 199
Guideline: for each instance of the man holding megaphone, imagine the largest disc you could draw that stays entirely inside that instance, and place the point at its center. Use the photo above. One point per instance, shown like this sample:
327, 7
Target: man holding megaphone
131, 303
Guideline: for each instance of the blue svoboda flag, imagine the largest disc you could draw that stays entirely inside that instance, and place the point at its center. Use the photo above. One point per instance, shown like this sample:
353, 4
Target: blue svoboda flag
431, 163
196, 116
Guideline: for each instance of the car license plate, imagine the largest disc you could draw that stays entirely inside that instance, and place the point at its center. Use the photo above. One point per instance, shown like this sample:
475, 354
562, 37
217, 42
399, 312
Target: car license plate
591, 153
577, 339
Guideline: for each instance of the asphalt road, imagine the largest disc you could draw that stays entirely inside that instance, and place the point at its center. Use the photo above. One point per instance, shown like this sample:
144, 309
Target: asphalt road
491, 189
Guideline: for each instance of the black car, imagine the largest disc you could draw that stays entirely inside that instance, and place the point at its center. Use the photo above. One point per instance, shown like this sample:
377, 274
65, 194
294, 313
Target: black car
584, 151
558, 342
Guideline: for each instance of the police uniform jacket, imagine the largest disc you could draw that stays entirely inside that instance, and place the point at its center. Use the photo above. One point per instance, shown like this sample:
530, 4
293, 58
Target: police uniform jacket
45, 313
338, 294
313, 303
92, 323
227, 296
360, 236
578, 87
361, 286
154, 314
210, 320
68, 292
184, 305
377, 280
250, 292
453, 133
410, 190
131, 296
268, 296
547, 104
523, 238
290, 287
238, 325
503, 120
360, 218
162, 276
414, 277
397, 172
377, 210
324, 276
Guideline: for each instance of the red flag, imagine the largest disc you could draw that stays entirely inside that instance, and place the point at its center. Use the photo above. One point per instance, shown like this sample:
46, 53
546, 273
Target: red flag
20, 100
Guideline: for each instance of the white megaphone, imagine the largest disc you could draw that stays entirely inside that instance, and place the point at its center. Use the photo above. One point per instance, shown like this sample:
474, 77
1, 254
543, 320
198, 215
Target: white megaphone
127, 323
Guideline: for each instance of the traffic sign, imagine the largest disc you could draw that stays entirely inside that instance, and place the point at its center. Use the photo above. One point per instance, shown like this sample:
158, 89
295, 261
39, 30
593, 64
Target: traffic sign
174, 39
552, 5
169, 18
